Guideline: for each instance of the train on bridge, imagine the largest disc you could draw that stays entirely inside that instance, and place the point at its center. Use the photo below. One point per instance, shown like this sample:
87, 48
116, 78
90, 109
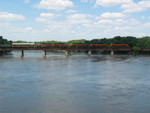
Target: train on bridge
43, 45
103, 48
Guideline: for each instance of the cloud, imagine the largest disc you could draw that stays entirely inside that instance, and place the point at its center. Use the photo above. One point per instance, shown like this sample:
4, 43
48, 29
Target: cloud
136, 7
55, 4
47, 17
5, 16
79, 18
86, 26
12, 31
112, 15
71, 11
87, 0
109, 3
26, 1
147, 25
102, 23
28, 28
117, 22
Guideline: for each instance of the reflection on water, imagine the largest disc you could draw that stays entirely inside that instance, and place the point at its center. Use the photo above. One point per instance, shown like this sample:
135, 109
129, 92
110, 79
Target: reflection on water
76, 84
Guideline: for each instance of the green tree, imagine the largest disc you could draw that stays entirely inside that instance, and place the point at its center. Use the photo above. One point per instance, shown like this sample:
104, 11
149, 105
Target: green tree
4, 41
81, 41
130, 40
143, 42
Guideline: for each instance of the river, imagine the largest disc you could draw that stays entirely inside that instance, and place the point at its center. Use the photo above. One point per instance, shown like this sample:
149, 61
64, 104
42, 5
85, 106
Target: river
75, 84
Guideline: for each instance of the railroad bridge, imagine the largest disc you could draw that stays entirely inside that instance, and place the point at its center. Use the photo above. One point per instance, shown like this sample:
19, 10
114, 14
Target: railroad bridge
67, 51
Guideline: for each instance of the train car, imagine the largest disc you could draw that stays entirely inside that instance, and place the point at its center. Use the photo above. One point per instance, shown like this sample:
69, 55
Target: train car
78, 45
98, 46
60, 45
4, 48
5, 45
120, 46
26, 45
41, 45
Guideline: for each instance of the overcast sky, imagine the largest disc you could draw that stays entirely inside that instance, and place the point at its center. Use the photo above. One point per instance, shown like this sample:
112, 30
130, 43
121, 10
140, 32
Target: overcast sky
35, 20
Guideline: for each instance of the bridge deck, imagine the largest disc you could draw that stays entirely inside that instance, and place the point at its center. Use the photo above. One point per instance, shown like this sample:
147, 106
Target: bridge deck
66, 49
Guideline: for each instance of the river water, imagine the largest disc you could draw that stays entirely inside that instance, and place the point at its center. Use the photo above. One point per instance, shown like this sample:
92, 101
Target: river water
75, 84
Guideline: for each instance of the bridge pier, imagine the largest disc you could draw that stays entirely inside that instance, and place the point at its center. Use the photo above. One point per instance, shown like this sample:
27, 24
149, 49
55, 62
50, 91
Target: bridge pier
89, 53
44, 54
22, 53
67, 53
111, 52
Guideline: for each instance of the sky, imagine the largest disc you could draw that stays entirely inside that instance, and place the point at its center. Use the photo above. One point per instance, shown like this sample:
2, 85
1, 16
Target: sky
63, 20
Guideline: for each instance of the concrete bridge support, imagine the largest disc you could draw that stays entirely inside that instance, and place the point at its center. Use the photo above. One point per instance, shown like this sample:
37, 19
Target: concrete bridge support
44, 54
111, 52
89, 53
21, 53
67, 53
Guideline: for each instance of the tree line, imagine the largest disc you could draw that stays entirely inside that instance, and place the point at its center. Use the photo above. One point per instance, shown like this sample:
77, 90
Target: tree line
4, 41
134, 42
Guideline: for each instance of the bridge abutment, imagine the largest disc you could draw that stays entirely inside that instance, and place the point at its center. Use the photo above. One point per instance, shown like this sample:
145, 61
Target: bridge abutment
21, 53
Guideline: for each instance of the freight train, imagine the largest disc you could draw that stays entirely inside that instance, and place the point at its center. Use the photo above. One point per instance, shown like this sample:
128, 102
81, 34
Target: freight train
42, 45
